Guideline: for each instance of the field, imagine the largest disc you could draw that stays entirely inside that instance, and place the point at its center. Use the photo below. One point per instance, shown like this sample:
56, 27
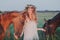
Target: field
40, 17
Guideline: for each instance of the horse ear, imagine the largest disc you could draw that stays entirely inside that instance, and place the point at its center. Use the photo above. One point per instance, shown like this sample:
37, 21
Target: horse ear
45, 20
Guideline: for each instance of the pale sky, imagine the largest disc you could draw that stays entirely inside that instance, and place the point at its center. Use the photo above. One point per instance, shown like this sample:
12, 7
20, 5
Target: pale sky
9, 5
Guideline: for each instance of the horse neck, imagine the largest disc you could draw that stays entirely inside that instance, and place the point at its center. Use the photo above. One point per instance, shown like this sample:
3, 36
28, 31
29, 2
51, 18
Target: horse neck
56, 19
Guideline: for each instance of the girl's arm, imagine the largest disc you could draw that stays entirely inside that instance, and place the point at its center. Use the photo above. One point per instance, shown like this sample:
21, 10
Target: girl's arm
41, 29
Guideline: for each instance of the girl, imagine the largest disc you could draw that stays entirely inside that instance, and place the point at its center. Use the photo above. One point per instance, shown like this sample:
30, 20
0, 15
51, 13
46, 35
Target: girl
30, 26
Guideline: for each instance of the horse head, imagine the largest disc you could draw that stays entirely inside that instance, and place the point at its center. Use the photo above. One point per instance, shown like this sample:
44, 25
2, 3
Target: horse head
48, 26
18, 25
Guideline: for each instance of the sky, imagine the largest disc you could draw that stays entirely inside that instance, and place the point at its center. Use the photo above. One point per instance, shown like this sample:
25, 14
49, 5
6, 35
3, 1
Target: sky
9, 5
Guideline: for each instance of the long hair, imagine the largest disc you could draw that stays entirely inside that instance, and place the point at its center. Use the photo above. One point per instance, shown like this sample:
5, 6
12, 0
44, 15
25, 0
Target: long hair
34, 11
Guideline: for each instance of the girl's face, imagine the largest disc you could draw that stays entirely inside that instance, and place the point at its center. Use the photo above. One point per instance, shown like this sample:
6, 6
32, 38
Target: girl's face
30, 9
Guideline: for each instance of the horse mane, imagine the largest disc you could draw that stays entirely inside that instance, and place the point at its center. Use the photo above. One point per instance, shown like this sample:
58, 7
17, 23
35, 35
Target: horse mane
52, 24
57, 17
54, 19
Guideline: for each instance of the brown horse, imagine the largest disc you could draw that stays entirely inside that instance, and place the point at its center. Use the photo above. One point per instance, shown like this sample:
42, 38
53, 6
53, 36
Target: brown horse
52, 24
15, 17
